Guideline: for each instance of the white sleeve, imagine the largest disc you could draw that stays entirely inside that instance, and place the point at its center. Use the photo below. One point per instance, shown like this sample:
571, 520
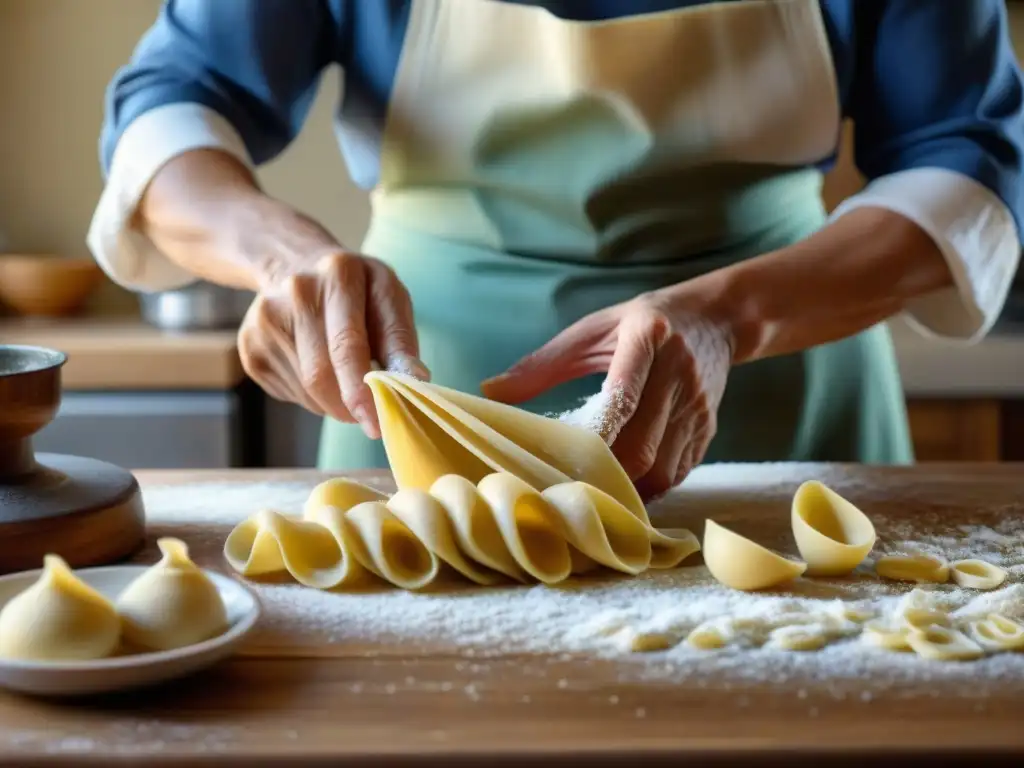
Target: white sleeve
974, 230
150, 141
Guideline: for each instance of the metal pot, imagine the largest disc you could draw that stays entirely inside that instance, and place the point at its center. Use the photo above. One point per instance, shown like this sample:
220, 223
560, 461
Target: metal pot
200, 306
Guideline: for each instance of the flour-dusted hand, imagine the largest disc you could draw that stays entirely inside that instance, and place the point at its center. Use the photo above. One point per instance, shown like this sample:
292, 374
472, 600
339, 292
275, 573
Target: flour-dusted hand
311, 336
666, 371
322, 314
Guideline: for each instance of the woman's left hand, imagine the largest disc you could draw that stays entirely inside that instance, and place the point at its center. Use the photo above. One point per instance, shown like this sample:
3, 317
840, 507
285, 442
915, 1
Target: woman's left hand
666, 373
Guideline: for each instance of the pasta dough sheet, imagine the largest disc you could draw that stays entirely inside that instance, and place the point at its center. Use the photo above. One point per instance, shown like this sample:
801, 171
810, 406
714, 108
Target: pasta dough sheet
486, 490
430, 431
496, 530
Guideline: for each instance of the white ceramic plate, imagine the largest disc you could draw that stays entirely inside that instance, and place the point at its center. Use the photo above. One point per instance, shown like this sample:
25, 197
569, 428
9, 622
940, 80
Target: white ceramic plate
76, 678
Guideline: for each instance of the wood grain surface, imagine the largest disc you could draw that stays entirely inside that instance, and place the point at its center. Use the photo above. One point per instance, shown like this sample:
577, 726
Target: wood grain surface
514, 709
124, 353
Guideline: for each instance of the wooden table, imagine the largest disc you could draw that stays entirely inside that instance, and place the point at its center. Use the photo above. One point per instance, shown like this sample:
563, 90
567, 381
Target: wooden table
299, 711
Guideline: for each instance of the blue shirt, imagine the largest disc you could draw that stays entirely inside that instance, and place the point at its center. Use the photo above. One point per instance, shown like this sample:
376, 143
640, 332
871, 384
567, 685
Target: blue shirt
929, 83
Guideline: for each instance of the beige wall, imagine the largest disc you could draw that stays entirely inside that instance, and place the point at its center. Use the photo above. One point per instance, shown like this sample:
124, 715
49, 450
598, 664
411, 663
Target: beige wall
56, 57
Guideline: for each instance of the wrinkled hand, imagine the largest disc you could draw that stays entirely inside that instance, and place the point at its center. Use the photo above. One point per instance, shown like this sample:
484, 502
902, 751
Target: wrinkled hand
310, 336
666, 374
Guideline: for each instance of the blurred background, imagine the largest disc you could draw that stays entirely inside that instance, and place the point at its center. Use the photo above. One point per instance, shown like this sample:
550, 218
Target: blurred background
157, 383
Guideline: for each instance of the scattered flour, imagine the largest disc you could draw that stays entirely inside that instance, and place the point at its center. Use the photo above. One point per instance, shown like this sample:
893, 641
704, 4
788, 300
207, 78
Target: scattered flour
584, 616
603, 412
407, 365
128, 737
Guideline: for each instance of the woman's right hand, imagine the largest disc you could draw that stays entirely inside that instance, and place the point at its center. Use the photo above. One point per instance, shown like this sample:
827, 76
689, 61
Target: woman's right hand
322, 315
310, 336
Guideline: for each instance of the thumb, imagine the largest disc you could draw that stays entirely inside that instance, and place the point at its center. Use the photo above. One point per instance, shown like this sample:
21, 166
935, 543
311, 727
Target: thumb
582, 349
392, 325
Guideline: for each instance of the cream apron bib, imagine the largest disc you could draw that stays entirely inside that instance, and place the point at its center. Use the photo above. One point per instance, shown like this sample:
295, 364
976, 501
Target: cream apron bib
536, 169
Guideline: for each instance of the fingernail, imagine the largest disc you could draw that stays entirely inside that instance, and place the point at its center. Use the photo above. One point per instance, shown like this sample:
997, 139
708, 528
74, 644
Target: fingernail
402, 362
489, 387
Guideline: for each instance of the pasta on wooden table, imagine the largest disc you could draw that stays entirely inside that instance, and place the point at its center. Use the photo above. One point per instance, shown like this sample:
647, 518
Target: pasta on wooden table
882, 634
743, 564
922, 618
495, 494
997, 633
919, 569
707, 637
977, 574
943, 644
832, 535
486, 490
799, 638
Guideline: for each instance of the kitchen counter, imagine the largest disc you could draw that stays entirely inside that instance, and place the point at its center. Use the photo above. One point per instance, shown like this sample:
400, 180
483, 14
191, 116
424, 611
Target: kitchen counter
124, 353
403, 706
993, 368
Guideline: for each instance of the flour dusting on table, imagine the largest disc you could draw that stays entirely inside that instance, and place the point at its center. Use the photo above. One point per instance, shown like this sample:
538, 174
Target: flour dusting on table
582, 616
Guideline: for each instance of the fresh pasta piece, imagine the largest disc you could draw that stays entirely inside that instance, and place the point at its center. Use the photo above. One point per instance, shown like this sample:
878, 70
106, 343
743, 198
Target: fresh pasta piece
430, 431
708, 636
997, 633
58, 618
172, 604
499, 528
922, 618
383, 544
488, 490
882, 635
915, 568
739, 563
428, 521
944, 644
311, 551
605, 531
799, 638
850, 612
977, 574
832, 535
640, 641
342, 493
928, 598
476, 531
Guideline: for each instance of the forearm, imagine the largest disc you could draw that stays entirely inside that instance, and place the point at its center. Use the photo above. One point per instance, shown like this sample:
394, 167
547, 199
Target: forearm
205, 211
856, 272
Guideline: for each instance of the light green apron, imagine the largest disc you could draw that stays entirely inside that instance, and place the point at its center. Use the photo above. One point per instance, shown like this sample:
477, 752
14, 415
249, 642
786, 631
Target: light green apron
539, 170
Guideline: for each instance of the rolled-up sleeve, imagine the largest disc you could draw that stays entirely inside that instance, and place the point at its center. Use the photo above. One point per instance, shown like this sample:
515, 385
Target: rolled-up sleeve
235, 75
938, 109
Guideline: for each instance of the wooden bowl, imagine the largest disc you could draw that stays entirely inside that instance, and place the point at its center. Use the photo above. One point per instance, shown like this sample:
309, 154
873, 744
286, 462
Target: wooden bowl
44, 285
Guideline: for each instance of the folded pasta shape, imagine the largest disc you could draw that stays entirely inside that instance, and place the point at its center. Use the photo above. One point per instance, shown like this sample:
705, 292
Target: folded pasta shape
499, 528
430, 431
486, 490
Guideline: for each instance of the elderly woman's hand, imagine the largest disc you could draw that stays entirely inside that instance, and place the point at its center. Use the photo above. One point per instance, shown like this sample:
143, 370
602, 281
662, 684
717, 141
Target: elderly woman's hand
322, 315
666, 373
314, 331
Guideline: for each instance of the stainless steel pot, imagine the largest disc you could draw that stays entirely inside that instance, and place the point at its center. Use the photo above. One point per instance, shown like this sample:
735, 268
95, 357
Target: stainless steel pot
200, 306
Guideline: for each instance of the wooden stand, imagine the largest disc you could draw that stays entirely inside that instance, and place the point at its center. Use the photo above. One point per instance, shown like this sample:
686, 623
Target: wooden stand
87, 511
